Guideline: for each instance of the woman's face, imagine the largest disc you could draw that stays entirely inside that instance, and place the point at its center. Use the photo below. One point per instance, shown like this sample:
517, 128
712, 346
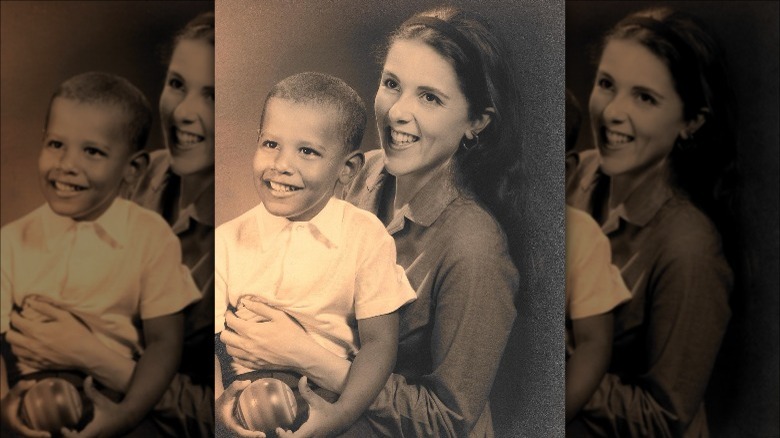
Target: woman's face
420, 110
187, 107
636, 113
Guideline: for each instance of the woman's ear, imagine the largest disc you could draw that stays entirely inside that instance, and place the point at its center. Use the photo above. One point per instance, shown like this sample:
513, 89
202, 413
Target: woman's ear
481, 122
137, 166
694, 124
352, 165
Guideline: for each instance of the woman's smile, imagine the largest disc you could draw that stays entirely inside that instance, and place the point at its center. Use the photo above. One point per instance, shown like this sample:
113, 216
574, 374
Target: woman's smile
400, 140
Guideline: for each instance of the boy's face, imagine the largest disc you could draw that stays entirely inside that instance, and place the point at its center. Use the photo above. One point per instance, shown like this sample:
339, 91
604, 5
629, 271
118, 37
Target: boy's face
85, 157
300, 156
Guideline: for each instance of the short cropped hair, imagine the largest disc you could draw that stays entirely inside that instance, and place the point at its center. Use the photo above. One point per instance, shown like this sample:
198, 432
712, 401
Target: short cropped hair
109, 89
327, 91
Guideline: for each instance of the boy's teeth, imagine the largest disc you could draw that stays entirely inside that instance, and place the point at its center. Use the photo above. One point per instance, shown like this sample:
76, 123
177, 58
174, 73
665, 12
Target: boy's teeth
65, 187
617, 138
400, 137
187, 138
281, 187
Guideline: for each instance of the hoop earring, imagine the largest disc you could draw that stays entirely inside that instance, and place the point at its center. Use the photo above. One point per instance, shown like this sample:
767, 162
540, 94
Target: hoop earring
469, 145
685, 143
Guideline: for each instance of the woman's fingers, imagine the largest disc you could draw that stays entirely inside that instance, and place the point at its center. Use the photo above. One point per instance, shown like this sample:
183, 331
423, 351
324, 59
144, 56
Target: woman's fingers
311, 397
262, 309
47, 309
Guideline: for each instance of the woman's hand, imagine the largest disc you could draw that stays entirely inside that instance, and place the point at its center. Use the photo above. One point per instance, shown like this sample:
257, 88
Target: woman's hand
276, 343
9, 411
224, 409
50, 344
324, 420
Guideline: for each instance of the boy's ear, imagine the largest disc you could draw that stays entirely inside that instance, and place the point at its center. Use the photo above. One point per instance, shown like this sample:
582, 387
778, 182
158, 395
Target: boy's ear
137, 166
352, 166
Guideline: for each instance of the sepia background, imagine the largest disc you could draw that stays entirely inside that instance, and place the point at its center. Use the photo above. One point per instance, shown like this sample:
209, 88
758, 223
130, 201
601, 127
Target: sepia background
260, 43
743, 399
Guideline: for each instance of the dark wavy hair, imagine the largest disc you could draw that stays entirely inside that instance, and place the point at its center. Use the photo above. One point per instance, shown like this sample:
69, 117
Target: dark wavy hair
199, 28
494, 170
704, 167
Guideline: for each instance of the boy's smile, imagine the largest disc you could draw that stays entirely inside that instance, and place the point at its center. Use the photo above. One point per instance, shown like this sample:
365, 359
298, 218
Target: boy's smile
299, 157
85, 157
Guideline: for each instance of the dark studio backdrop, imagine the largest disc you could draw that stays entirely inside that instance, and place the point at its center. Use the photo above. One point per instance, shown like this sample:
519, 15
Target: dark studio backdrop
43, 43
743, 398
260, 43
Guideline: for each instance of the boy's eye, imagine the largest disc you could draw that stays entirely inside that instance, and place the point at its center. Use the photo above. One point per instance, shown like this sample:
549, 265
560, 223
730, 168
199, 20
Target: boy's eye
269, 144
209, 95
309, 152
54, 144
94, 152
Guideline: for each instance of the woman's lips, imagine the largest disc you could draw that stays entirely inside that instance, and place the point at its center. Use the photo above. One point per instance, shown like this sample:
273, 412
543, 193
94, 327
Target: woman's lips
186, 140
615, 140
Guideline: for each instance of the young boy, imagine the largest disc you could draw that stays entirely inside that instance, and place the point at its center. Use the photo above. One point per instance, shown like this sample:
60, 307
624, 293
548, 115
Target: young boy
113, 265
326, 263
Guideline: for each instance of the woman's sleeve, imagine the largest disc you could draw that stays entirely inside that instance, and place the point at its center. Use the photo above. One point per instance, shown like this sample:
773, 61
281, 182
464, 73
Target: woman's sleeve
473, 306
688, 296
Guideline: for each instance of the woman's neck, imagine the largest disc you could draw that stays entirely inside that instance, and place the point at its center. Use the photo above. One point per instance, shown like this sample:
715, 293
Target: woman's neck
407, 186
193, 185
621, 186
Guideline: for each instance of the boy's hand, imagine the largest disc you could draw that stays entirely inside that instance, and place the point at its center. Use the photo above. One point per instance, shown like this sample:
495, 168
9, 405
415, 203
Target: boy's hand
226, 423
9, 411
109, 419
324, 418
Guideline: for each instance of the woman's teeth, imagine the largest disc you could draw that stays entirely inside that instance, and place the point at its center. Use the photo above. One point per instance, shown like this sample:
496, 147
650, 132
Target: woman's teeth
616, 138
401, 138
277, 187
65, 187
188, 138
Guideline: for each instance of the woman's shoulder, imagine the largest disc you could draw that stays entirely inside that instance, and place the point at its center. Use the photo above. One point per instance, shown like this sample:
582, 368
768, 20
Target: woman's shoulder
685, 230
469, 228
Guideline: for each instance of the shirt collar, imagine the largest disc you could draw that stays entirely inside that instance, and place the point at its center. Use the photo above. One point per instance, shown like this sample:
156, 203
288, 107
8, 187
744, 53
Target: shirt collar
325, 227
429, 203
110, 227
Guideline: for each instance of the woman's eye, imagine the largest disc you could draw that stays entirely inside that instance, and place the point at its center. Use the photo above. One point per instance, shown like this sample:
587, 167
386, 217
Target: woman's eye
175, 83
431, 98
390, 83
647, 98
604, 83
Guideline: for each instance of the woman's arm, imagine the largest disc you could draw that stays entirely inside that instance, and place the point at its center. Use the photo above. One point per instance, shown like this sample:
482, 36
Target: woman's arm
687, 319
589, 361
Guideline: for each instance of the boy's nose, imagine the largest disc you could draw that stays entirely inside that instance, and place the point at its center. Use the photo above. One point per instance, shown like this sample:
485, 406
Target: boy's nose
282, 162
67, 161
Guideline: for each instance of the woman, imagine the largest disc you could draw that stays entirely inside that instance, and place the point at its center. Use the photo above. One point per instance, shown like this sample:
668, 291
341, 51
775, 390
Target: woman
443, 185
660, 115
179, 184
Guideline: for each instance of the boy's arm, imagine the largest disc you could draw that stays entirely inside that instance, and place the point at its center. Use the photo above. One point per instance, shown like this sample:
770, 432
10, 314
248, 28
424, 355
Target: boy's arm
367, 376
589, 361
163, 337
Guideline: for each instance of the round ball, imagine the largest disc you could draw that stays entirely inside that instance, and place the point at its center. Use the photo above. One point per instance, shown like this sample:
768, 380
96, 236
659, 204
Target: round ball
265, 405
52, 404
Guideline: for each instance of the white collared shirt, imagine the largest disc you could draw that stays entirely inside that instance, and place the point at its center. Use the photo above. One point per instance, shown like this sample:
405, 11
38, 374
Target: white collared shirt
109, 272
326, 273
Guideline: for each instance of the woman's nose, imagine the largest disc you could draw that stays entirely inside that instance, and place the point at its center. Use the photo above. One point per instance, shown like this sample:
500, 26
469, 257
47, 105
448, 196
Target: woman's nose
401, 110
616, 109
187, 109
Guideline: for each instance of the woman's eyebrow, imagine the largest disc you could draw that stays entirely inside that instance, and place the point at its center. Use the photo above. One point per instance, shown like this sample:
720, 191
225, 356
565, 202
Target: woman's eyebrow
433, 90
